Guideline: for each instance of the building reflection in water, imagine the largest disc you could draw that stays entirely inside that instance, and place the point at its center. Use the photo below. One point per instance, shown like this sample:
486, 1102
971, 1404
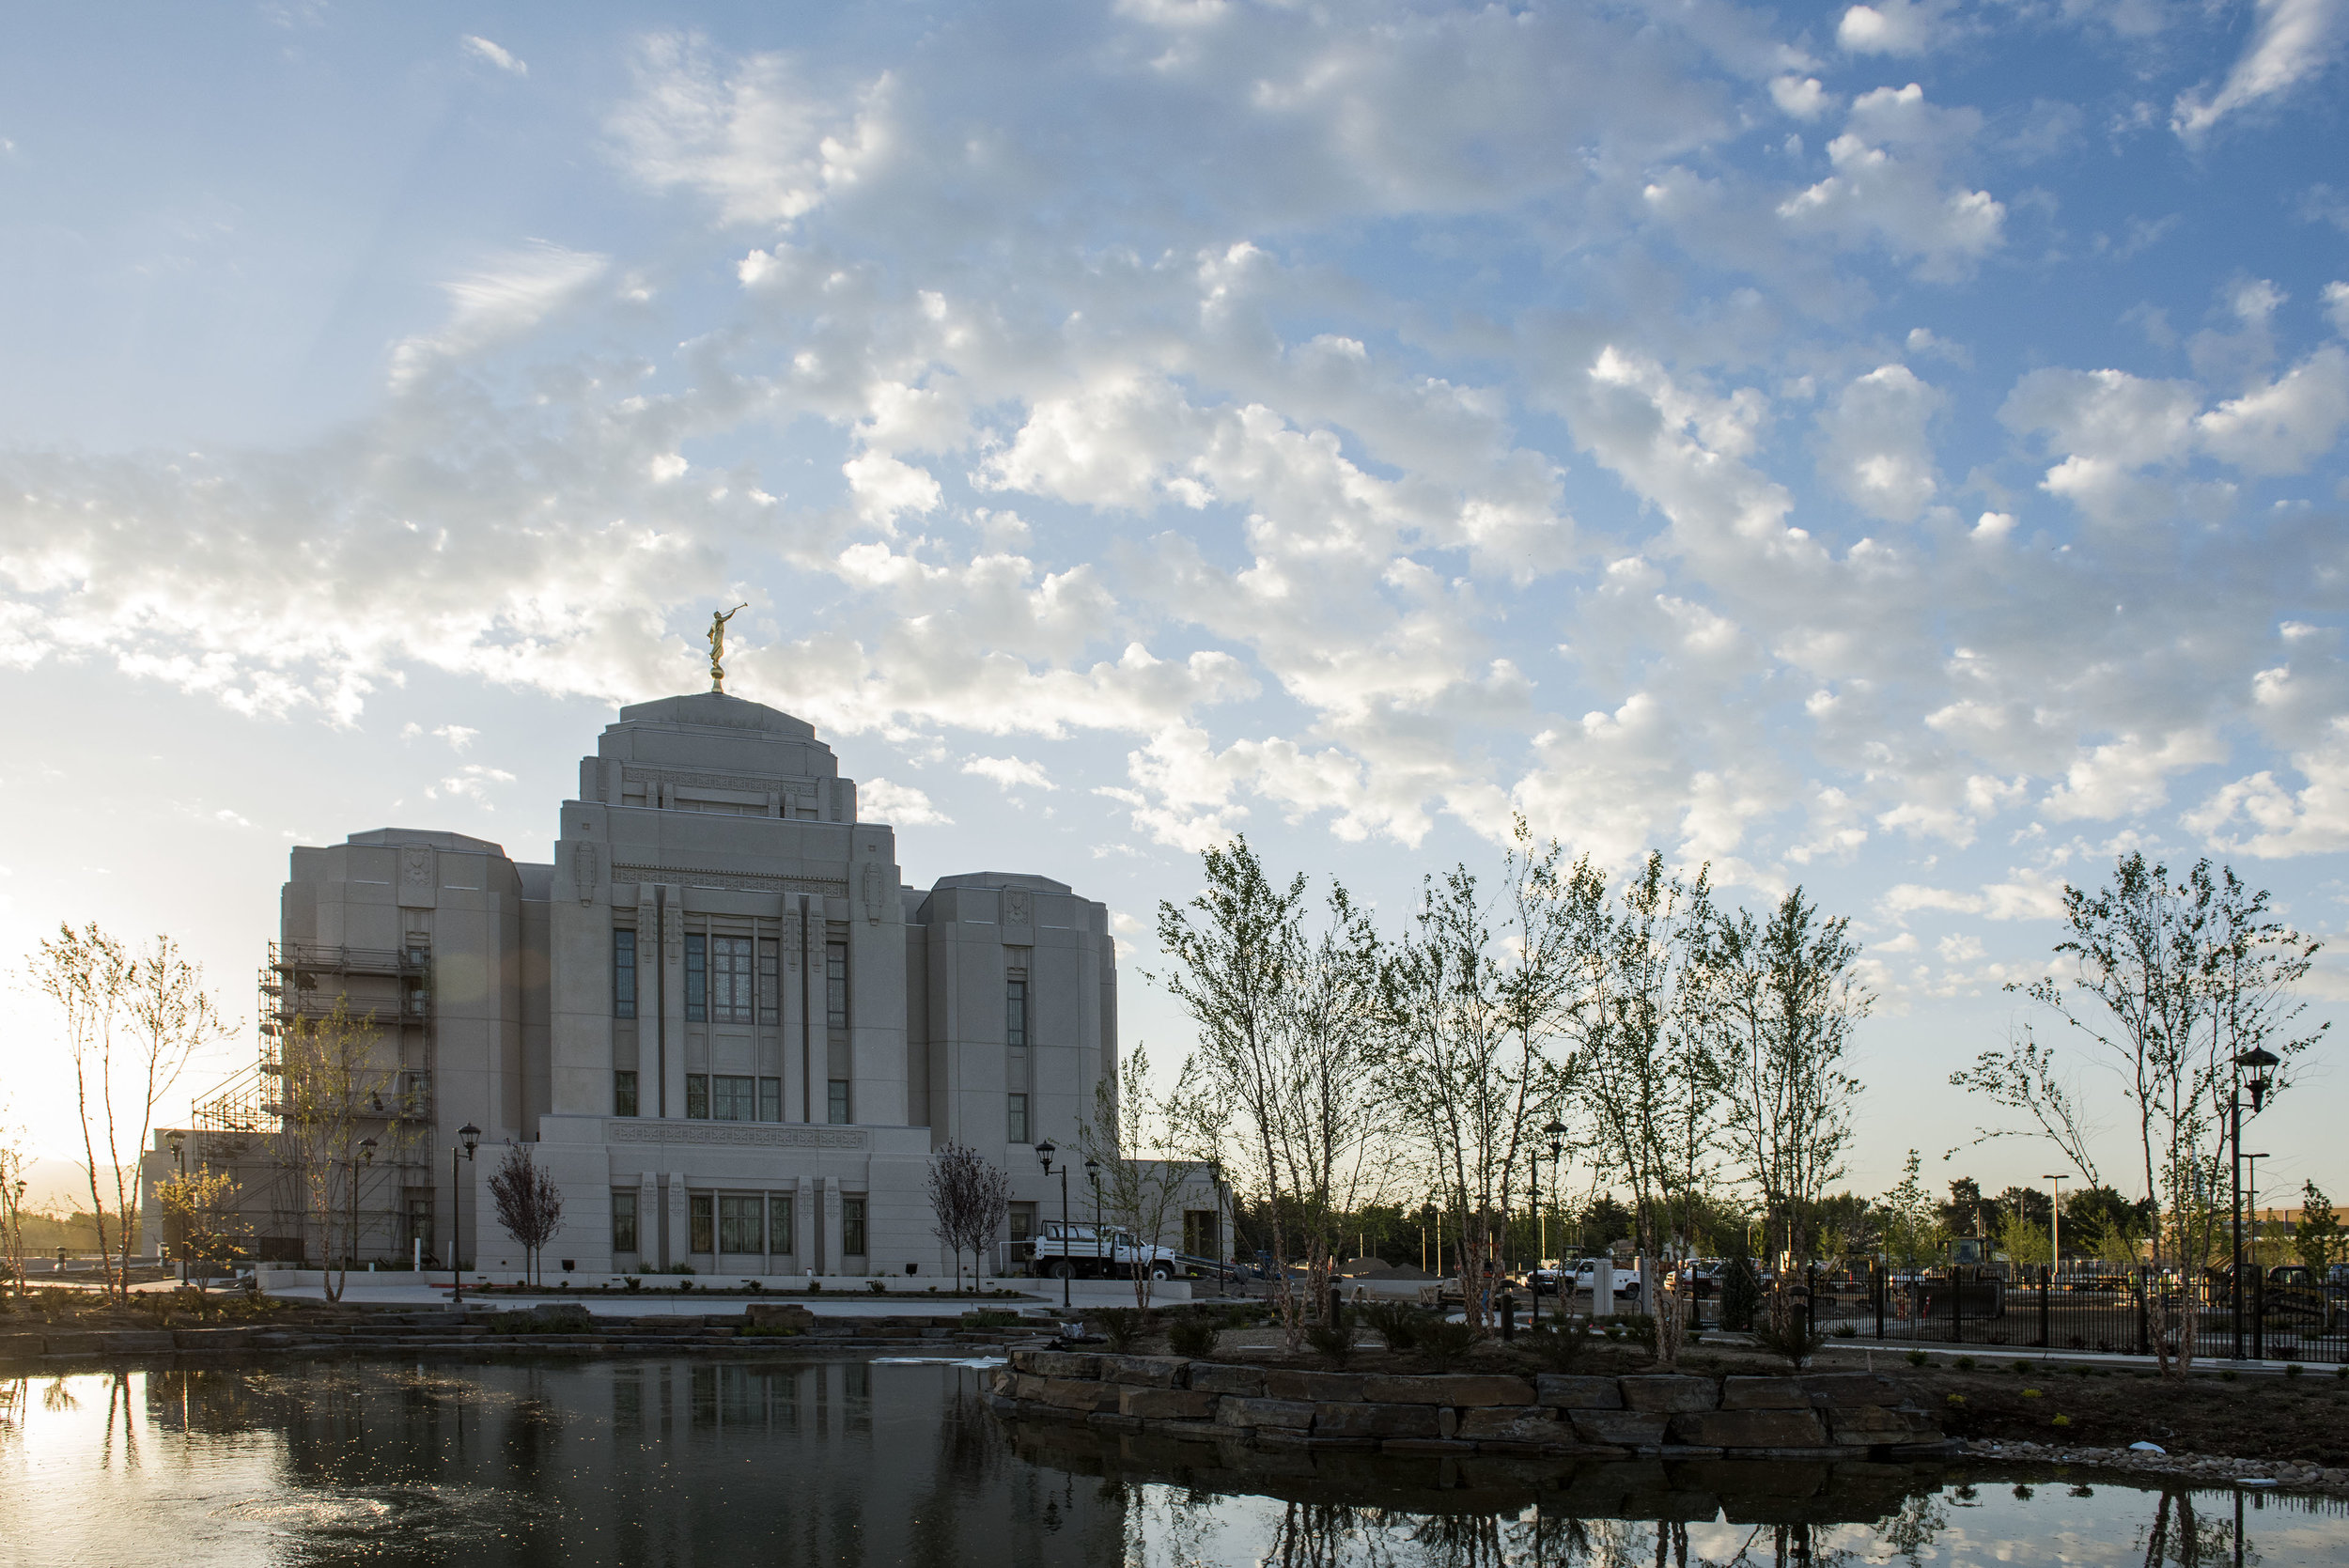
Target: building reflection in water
691, 1462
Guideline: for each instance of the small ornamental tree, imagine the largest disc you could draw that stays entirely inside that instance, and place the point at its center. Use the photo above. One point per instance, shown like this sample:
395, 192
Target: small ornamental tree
2316, 1235
969, 1198
529, 1204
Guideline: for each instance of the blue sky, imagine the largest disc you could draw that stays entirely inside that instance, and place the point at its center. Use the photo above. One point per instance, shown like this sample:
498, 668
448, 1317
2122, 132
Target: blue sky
1892, 449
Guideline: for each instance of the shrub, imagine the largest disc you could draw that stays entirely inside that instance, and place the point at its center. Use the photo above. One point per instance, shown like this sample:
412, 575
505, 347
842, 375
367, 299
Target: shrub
2294, 1369
1443, 1342
1918, 1358
2032, 1393
1846, 1331
631, 1282
1964, 1363
1193, 1334
1791, 1336
876, 1287
2061, 1419
2228, 1375
991, 1317
1393, 1322
1332, 1340
1123, 1327
1558, 1349
1741, 1294
685, 1284
2022, 1366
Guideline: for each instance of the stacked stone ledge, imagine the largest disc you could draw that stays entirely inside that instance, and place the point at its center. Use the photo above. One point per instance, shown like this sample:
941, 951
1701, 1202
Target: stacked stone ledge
1806, 1416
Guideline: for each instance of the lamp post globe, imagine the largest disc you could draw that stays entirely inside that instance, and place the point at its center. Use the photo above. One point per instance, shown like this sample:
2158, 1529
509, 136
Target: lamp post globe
1045, 1151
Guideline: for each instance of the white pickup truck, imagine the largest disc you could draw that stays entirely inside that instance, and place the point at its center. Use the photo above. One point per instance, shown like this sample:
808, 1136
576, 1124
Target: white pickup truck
1084, 1252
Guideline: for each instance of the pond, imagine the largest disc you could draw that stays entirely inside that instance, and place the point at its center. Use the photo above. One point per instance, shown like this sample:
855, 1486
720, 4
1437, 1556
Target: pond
800, 1463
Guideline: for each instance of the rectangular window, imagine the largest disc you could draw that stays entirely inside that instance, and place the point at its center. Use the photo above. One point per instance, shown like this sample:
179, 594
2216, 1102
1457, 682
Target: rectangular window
1199, 1234
836, 984
1021, 1221
771, 1100
738, 1223
770, 980
696, 978
734, 1099
779, 1222
416, 1093
624, 1092
1018, 1131
623, 974
420, 1221
851, 1227
699, 1206
730, 980
839, 1109
1015, 1014
697, 1097
623, 1221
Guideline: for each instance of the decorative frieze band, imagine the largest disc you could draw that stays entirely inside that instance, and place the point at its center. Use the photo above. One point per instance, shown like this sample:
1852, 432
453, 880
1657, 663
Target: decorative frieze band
750, 783
740, 881
639, 1130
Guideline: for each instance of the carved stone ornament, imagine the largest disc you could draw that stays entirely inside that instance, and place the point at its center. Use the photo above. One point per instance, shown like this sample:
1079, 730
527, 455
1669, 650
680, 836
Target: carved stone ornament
739, 1136
792, 937
415, 879
584, 871
1015, 909
874, 893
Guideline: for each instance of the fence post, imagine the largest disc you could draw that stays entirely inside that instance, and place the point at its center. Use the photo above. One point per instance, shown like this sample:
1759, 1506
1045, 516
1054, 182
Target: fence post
2258, 1313
1810, 1299
1883, 1284
2144, 1338
2047, 1287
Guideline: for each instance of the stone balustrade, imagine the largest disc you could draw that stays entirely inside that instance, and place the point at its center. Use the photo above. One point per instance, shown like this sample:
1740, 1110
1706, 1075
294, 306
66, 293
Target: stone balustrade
1805, 1415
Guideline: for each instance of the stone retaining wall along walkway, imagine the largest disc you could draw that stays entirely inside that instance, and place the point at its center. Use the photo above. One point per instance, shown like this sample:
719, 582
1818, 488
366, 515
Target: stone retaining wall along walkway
1813, 1416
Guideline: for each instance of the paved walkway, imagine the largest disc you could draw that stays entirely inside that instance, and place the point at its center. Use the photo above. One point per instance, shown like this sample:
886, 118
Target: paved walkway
1083, 1294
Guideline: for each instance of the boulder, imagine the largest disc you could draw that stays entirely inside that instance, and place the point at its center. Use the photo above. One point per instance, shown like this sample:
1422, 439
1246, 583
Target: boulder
1669, 1393
1748, 1429
1762, 1393
134, 1341
772, 1314
1846, 1390
1057, 1363
1355, 1420
1625, 1428
1294, 1414
1327, 1388
1146, 1371
1210, 1377
1466, 1390
19, 1347
1078, 1393
1868, 1425
70, 1343
1578, 1393
1506, 1424
1187, 1405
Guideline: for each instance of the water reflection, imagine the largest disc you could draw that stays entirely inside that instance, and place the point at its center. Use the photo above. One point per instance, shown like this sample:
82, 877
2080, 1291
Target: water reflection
703, 1462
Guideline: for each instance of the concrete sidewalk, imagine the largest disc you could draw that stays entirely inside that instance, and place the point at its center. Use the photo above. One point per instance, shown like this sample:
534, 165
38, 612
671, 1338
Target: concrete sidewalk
1037, 1295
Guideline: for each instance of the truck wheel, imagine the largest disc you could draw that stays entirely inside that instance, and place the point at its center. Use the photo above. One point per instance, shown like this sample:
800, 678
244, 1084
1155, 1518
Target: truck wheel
1062, 1271
1159, 1271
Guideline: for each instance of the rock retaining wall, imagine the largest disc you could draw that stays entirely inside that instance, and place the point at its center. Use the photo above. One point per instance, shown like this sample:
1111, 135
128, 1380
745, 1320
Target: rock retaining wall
1812, 1416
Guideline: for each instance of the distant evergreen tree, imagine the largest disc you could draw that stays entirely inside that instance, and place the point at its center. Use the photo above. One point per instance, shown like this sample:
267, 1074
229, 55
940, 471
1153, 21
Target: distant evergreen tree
1741, 1290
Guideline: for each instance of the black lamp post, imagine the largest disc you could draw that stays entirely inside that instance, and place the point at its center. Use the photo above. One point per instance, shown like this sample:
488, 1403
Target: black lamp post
2251, 1202
1556, 1133
468, 1137
1093, 1179
2258, 1060
1045, 1151
366, 1162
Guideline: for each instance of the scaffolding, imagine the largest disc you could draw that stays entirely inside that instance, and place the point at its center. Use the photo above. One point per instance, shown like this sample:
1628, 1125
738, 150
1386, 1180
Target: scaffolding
241, 1125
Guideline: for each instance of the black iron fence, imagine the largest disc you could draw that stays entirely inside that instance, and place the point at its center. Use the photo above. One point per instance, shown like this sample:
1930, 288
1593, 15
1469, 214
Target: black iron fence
2123, 1311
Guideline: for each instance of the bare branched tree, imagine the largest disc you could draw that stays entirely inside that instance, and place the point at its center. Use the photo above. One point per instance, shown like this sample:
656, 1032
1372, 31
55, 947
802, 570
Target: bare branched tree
969, 1199
335, 1073
1129, 1144
132, 1020
528, 1203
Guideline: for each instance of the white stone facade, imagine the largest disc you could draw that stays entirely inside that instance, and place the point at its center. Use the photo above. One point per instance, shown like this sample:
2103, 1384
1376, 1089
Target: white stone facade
720, 1015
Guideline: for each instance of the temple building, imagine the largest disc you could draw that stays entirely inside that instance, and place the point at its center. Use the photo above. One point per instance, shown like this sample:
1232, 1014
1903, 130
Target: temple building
726, 1027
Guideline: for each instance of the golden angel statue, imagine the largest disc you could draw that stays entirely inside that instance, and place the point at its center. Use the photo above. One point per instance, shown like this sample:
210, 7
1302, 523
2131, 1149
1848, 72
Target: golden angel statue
718, 646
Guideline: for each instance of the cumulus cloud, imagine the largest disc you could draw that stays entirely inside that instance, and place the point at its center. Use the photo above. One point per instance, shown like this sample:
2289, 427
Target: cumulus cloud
1891, 28
880, 799
1876, 451
1010, 772
1890, 185
482, 49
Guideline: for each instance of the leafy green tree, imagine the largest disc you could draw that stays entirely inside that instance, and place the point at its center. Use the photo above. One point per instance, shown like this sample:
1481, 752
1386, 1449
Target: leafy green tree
1913, 1228
2316, 1234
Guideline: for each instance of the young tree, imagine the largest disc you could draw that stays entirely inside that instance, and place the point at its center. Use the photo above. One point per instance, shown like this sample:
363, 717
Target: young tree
528, 1203
1278, 1089
132, 1020
1913, 1232
203, 1208
969, 1199
1647, 1073
2316, 1234
1783, 1001
1128, 1141
334, 1071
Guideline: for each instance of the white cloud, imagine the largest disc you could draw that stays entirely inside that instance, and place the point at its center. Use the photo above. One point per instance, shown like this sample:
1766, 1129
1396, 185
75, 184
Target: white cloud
1800, 97
1890, 187
470, 783
2292, 41
2283, 427
1875, 449
509, 296
482, 49
1891, 28
1010, 772
900, 805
